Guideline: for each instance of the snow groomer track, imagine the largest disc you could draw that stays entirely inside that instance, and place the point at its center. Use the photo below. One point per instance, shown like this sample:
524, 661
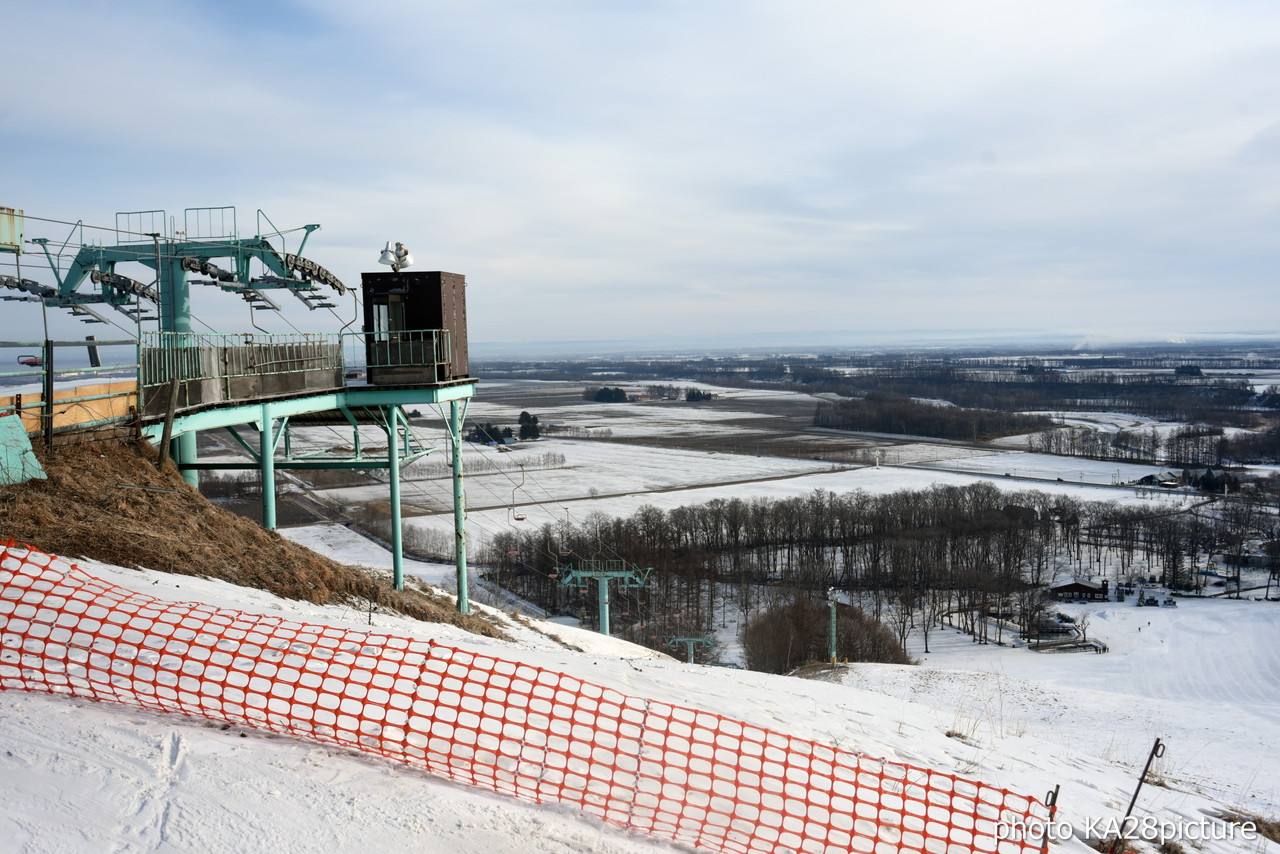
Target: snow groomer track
540, 736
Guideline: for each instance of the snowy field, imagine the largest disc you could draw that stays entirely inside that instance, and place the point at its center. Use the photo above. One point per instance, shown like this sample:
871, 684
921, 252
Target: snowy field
618, 475
514, 488
640, 419
1052, 467
78, 776
617, 478
591, 469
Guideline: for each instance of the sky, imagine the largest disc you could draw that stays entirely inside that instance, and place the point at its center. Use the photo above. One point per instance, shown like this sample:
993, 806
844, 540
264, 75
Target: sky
697, 172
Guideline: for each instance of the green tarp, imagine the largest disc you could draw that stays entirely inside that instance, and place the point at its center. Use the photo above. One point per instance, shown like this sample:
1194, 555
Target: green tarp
17, 462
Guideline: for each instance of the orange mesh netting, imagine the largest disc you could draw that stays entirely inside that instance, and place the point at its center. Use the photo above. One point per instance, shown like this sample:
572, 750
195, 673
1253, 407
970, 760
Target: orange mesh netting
539, 735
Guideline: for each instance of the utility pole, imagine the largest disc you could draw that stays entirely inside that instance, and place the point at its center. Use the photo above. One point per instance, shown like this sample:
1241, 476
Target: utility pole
457, 416
832, 600
602, 572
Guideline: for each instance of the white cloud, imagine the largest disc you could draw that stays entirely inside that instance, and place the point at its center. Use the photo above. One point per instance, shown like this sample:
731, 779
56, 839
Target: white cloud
759, 166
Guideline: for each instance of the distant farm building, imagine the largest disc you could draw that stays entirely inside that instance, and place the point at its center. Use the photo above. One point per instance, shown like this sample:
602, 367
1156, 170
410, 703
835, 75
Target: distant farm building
1077, 589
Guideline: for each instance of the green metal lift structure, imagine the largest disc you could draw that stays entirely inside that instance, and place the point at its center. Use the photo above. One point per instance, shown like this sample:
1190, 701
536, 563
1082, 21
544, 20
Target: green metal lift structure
603, 573
690, 645
190, 381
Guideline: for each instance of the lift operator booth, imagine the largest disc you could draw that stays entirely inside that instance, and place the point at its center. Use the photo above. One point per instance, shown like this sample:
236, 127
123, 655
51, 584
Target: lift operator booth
415, 327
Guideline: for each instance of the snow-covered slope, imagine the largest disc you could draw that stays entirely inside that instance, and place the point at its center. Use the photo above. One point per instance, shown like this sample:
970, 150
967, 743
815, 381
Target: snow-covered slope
82, 776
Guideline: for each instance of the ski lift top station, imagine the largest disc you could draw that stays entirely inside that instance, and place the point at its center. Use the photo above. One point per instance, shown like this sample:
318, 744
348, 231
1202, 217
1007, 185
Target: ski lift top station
410, 351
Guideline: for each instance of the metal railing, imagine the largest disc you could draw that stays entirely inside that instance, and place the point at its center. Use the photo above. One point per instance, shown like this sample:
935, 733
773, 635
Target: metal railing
53, 410
221, 368
407, 349
210, 368
205, 355
201, 356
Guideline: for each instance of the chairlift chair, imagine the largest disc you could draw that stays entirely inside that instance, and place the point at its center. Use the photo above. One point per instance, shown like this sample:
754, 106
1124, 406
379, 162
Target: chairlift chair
519, 517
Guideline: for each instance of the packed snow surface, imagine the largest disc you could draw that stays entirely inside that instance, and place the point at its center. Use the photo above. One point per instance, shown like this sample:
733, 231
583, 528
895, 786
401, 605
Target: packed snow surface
84, 776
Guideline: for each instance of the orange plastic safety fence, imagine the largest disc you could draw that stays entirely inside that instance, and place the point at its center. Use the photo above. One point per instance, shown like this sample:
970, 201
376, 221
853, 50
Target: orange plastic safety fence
674, 772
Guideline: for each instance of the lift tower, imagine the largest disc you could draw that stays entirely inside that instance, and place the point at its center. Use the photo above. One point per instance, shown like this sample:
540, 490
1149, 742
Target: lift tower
190, 381
604, 572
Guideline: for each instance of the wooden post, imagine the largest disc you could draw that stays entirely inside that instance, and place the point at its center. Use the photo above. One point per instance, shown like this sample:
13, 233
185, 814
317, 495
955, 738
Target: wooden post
168, 425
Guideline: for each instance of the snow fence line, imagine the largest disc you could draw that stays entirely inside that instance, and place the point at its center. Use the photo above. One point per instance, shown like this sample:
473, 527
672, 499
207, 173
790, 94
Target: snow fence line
678, 773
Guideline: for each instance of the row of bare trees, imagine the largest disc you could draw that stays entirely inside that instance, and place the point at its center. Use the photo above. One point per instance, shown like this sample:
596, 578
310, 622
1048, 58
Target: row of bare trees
970, 556
1187, 445
1217, 400
885, 413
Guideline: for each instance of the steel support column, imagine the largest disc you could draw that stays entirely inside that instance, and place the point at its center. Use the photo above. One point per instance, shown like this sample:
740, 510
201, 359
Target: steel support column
185, 453
831, 645
602, 601
175, 316
456, 415
267, 465
602, 573
392, 422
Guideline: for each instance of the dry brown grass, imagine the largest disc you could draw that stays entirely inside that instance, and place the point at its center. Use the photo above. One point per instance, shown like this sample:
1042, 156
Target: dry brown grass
107, 501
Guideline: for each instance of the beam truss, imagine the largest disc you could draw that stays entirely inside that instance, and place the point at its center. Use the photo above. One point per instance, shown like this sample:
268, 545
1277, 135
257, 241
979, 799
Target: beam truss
603, 572
174, 258
690, 644
272, 450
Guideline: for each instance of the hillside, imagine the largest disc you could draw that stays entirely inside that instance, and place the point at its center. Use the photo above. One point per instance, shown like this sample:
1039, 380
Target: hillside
134, 780
81, 776
107, 501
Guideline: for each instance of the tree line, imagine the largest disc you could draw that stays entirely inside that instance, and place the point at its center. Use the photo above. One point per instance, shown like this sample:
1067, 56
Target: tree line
673, 392
1223, 401
1188, 445
605, 395
971, 556
887, 413
485, 433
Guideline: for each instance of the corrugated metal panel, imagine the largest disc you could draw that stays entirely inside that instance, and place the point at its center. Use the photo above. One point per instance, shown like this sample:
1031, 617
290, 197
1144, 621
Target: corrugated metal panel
454, 311
10, 230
